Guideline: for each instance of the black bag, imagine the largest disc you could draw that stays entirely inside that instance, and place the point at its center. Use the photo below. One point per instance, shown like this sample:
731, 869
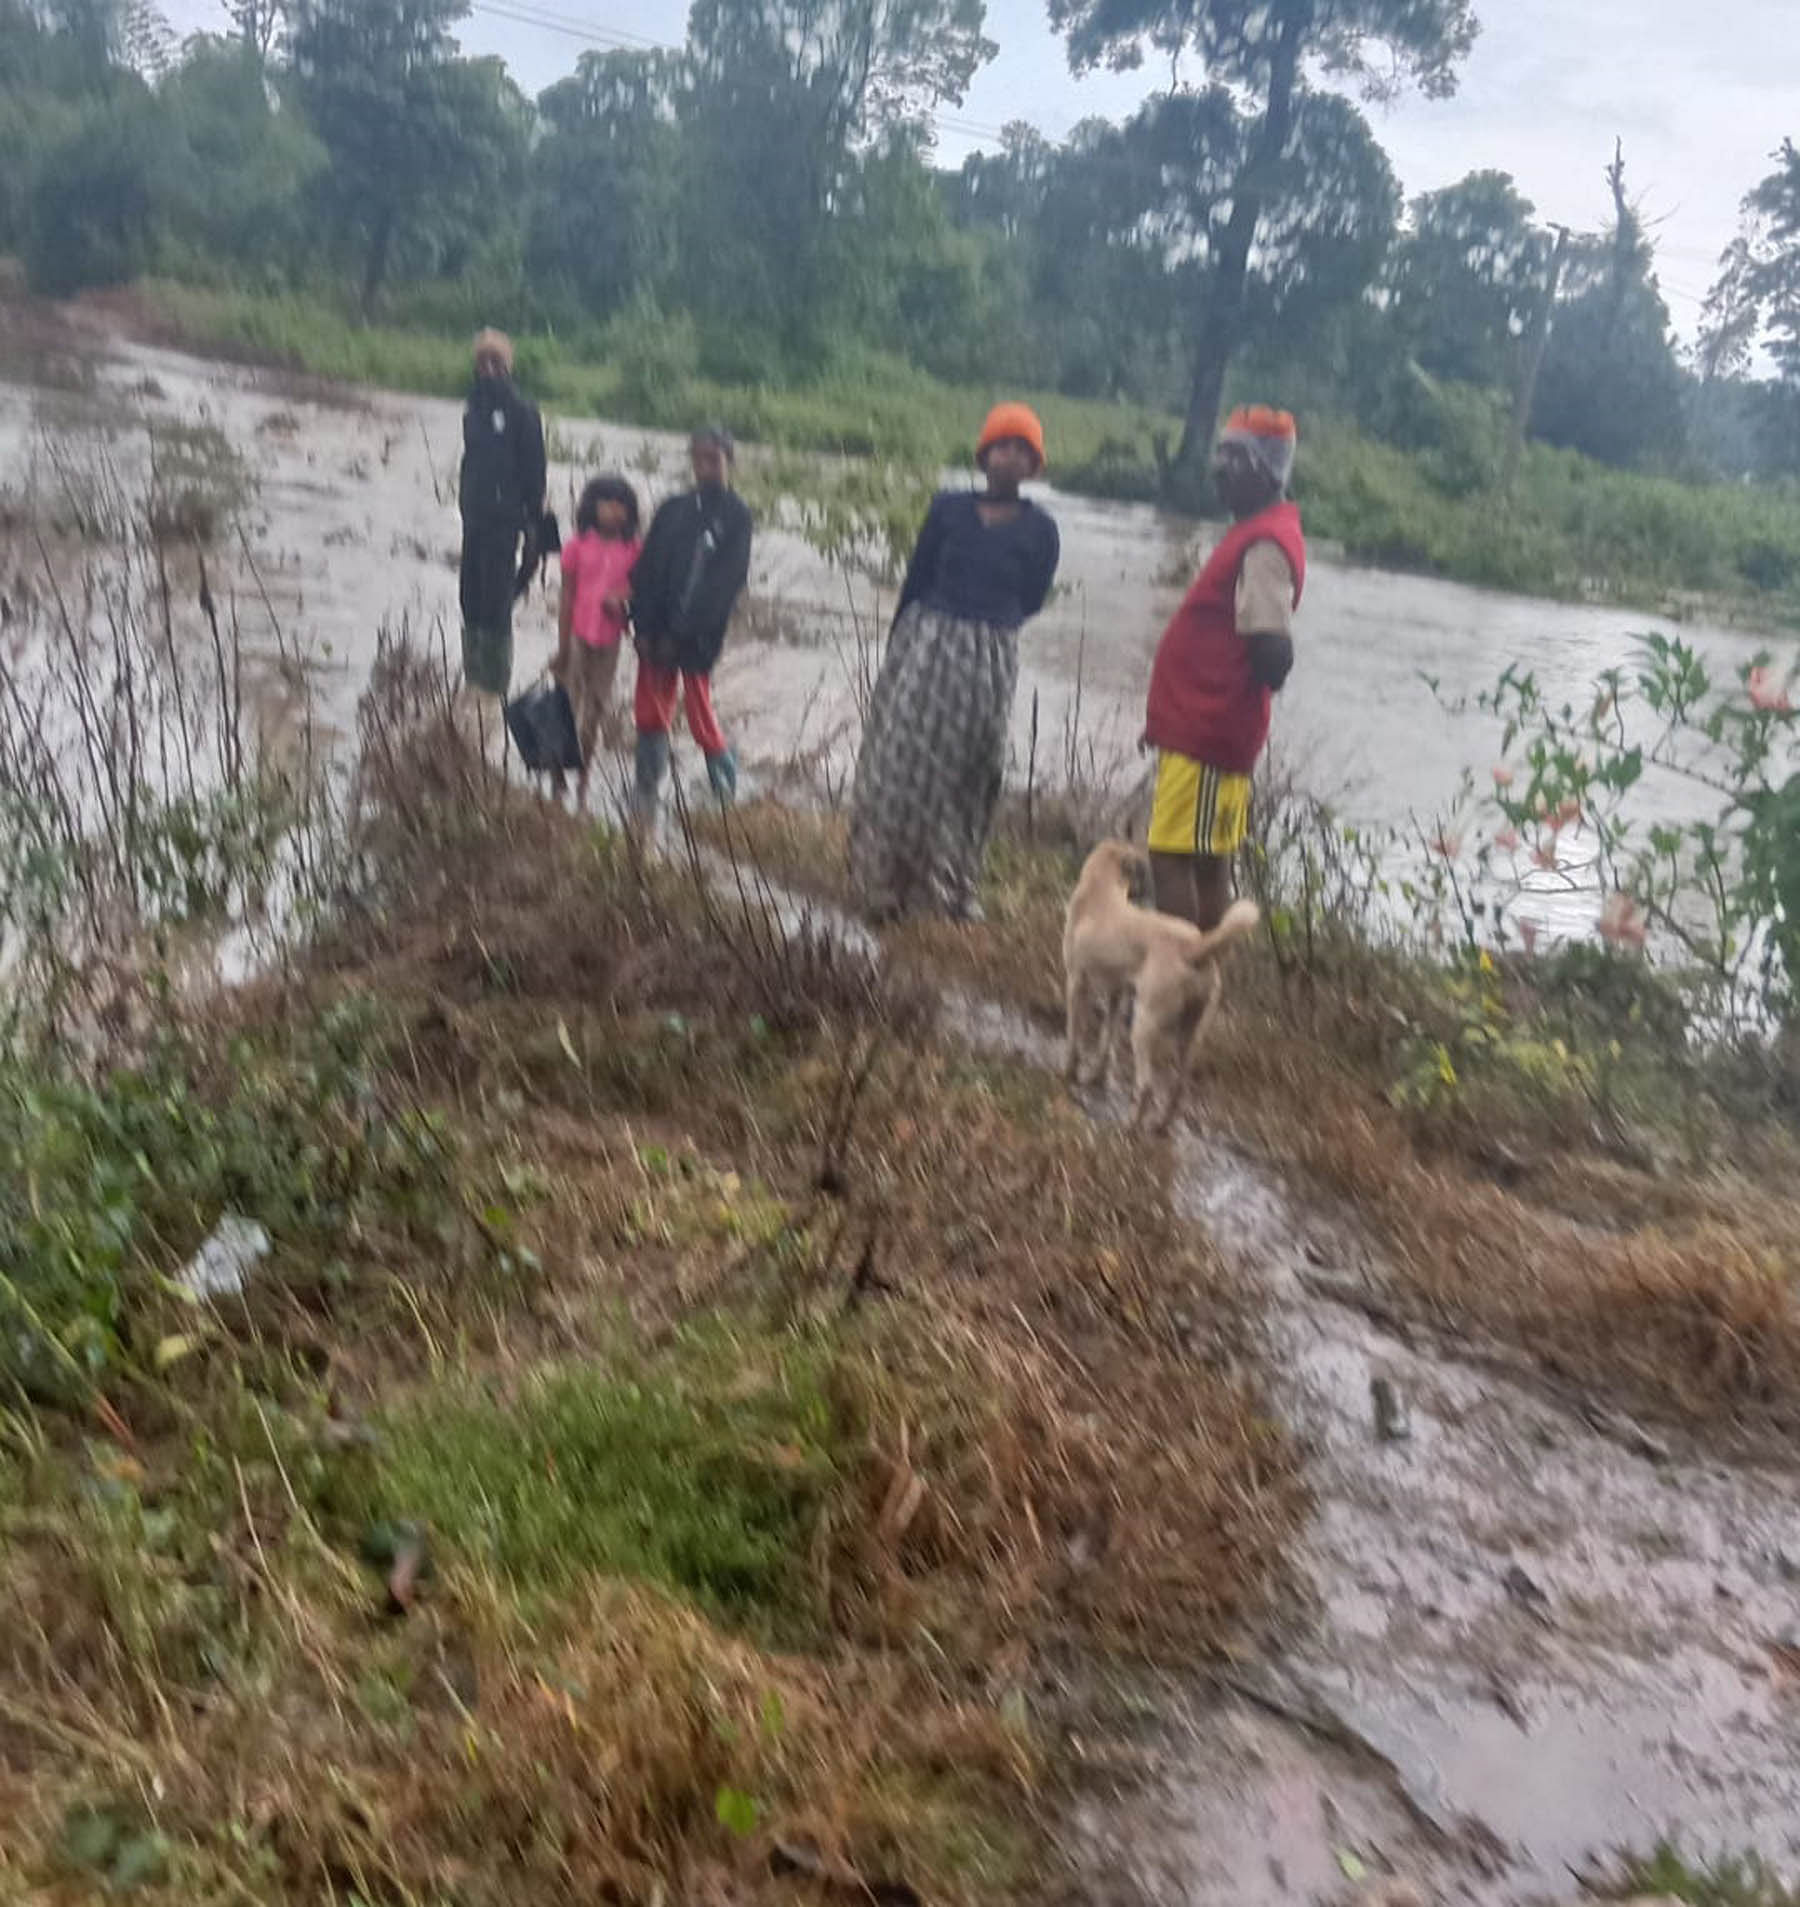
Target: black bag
542, 541
542, 721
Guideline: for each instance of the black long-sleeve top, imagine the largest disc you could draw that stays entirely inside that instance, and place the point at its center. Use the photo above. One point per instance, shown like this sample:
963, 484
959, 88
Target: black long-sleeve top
695, 562
986, 572
503, 464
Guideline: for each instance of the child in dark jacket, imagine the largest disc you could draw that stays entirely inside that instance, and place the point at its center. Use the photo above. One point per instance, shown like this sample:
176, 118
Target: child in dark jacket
695, 563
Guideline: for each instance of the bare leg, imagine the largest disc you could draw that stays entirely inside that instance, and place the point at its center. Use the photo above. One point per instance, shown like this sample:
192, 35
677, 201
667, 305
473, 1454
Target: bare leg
1212, 887
1172, 885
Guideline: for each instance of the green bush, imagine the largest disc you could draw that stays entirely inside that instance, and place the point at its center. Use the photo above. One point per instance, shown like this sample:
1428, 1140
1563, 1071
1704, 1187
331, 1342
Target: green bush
97, 197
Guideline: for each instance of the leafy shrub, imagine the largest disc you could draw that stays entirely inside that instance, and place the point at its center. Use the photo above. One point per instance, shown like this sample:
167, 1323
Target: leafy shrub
108, 1183
654, 360
97, 198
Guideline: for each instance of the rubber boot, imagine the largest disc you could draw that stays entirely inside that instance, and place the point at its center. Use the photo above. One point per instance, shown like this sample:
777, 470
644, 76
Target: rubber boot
721, 771
651, 765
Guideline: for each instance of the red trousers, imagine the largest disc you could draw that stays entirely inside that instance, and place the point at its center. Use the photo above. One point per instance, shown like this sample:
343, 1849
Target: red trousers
653, 705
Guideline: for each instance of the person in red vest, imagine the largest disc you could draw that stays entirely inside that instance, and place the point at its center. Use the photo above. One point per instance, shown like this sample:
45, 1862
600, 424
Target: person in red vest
1220, 661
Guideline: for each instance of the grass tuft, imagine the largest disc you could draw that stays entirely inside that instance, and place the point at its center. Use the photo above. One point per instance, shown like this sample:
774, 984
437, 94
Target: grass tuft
704, 1471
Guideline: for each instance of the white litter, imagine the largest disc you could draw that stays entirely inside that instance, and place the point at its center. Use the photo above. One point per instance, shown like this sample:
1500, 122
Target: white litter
227, 1258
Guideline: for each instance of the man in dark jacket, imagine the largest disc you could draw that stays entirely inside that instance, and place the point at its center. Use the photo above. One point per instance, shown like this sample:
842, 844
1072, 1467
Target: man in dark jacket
695, 563
501, 493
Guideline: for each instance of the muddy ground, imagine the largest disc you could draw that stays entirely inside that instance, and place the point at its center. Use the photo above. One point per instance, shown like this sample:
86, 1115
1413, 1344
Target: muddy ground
1536, 1635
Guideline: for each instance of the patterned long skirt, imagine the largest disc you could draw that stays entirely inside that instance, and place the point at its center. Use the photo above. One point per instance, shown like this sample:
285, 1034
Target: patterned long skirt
932, 760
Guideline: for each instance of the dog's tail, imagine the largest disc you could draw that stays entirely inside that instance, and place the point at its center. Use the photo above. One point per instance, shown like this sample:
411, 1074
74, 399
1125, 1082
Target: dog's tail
1241, 918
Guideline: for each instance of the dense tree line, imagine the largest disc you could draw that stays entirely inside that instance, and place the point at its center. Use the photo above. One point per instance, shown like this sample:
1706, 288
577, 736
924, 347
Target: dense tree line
767, 197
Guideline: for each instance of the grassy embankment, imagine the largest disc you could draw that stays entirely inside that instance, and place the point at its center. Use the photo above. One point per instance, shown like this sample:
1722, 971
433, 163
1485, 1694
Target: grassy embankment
687, 1419
1581, 1184
1574, 527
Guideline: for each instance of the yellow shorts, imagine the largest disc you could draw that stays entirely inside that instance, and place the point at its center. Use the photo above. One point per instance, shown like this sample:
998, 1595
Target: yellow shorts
1197, 810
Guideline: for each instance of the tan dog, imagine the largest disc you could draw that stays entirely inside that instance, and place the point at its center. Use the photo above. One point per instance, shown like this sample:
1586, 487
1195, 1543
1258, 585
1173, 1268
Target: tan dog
1114, 952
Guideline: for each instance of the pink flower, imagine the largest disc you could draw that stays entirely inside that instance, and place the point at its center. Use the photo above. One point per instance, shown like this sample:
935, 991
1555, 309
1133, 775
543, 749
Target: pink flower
1507, 838
1544, 856
1447, 844
1503, 776
1528, 935
1569, 811
1622, 923
1767, 694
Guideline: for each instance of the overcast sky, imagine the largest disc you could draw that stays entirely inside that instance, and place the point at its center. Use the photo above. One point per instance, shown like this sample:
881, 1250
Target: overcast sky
1700, 98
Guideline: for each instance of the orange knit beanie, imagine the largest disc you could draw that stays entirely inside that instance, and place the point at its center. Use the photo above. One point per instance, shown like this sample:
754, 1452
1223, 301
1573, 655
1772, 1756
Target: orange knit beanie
1011, 420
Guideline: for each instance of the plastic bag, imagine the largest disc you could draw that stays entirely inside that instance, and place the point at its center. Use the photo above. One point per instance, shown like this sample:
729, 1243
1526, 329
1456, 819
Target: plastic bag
542, 721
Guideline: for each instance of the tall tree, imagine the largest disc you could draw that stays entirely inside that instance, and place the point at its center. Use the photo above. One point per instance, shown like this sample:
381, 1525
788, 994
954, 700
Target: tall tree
248, 169
1757, 295
601, 221
258, 24
1466, 282
423, 144
784, 94
1612, 386
1259, 49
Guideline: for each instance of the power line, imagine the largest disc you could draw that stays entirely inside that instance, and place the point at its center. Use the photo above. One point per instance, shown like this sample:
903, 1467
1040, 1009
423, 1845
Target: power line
610, 40
597, 38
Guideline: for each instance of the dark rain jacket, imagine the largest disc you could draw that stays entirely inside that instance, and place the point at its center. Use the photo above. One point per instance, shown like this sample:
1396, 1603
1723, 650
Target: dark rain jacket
503, 465
694, 565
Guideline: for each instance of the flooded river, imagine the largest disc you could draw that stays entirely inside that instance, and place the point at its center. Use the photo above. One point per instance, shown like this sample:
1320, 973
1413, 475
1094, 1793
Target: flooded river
351, 518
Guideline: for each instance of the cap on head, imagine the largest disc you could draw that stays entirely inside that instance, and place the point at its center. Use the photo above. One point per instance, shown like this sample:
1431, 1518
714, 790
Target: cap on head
1268, 435
716, 437
494, 344
1011, 420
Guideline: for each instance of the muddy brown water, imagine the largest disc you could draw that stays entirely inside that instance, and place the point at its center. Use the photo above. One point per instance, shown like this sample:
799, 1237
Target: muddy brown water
1531, 1640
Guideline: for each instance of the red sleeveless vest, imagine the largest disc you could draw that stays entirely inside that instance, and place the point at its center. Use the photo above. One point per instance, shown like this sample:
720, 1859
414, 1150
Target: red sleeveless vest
1204, 702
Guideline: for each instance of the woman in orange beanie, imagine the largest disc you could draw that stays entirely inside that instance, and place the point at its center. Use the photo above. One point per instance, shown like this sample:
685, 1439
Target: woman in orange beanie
934, 745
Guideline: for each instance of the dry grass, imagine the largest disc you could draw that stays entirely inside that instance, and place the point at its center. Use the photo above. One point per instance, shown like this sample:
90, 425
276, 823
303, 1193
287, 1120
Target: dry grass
587, 1750
1625, 1265
1037, 1429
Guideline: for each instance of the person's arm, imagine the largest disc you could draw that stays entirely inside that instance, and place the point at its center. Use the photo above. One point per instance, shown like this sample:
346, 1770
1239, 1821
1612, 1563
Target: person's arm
927, 546
734, 557
618, 599
1045, 557
534, 467
649, 609
721, 582
1265, 612
565, 617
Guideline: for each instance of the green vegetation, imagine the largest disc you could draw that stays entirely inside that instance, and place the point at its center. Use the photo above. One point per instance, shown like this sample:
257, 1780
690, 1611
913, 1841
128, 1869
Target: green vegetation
110, 1181
757, 208
751, 224
1570, 526
704, 1469
639, 370
1741, 1881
